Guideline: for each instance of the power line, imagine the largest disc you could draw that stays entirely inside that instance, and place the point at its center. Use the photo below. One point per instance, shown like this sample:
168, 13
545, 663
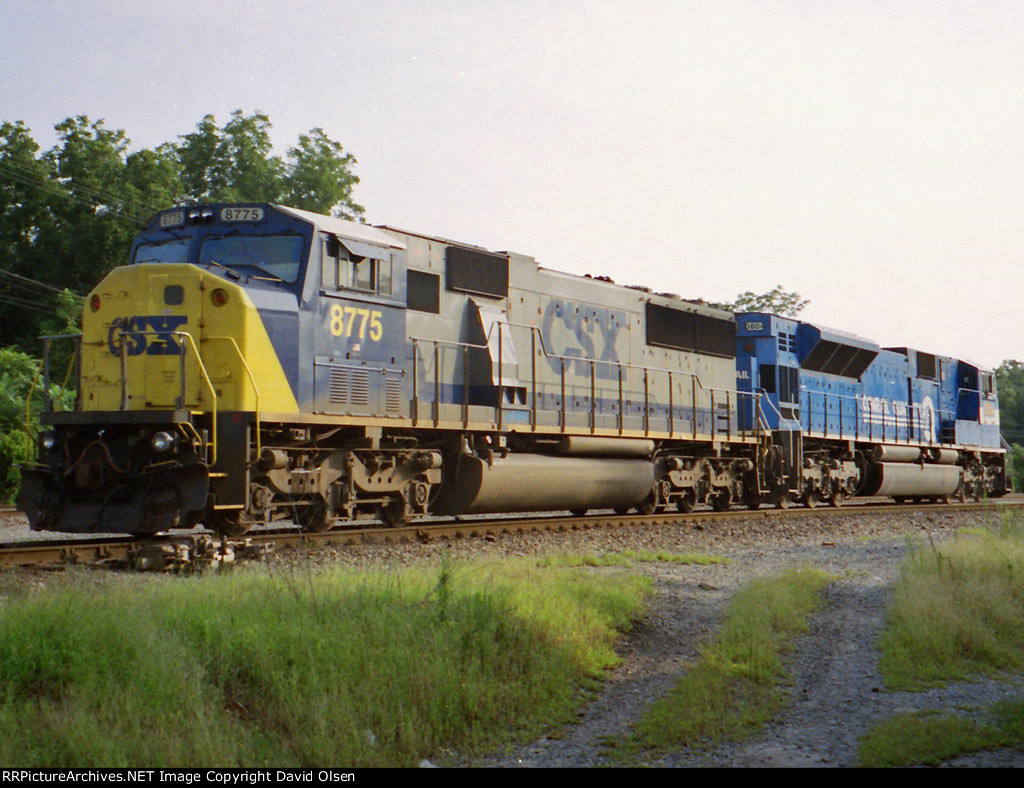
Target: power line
100, 195
31, 284
24, 305
96, 197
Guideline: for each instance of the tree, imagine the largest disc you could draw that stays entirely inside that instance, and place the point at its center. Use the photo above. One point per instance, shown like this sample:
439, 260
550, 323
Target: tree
233, 164
68, 215
1010, 388
321, 178
776, 301
19, 382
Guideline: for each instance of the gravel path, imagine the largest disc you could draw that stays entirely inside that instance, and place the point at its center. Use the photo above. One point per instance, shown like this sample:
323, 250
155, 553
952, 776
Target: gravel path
837, 693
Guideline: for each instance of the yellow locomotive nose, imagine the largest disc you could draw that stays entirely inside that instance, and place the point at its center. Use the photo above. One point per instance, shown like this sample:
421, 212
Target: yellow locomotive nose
176, 336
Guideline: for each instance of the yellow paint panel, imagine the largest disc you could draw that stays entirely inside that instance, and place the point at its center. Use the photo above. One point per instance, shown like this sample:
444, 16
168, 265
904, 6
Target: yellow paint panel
132, 299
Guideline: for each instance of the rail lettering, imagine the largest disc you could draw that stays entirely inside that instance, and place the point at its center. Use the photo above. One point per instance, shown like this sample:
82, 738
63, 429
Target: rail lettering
123, 329
581, 320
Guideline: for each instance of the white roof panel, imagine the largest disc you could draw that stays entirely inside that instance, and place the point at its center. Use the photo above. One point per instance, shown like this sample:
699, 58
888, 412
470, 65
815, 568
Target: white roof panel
343, 228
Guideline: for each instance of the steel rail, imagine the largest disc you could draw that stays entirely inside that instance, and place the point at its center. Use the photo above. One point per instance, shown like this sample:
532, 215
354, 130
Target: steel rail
105, 549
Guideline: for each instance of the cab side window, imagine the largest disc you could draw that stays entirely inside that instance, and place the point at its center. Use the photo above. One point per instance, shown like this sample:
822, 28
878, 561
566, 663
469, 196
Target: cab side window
364, 274
384, 277
340, 269
333, 265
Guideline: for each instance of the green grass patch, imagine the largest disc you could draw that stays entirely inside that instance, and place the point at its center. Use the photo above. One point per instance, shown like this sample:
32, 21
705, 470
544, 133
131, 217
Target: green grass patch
955, 613
628, 558
735, 685
931, 737
923, 738
344, 667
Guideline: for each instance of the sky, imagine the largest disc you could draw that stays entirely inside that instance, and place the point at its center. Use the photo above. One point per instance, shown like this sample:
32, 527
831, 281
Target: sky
867, 154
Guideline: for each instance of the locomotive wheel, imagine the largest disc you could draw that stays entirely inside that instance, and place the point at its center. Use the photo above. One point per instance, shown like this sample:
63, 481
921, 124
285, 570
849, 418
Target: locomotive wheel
230, 522
313, 517
812, 499
753, 503
394, 514
578, 512
784, 500
837, 498
648, 505
621, 510
721, 501
686, 501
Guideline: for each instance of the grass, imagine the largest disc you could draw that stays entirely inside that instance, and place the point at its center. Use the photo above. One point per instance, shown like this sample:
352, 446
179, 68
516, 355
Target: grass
955, 612
928, 738
923, 738
955, 615
735, 686
629, 558
354, 668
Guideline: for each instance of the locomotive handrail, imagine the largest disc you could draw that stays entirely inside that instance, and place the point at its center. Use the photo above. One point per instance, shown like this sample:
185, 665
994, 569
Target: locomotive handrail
762, 393
911, 416
77, 358
572, 359
252, 380
44, 372
202, 369
546, 353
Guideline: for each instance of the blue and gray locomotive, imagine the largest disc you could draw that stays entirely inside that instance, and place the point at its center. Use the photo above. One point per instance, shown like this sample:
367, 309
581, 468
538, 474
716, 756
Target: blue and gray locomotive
255, 363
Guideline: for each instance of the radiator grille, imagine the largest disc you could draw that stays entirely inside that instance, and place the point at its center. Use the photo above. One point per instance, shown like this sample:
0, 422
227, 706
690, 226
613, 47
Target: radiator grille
349, 387
392, 396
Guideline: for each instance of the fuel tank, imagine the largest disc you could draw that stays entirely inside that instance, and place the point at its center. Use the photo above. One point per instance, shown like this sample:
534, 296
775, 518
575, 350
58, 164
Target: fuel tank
537, 482
589, 446
911, 479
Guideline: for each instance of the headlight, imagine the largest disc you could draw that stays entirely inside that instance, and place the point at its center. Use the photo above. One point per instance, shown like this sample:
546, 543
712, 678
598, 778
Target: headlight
163, 441
48, 441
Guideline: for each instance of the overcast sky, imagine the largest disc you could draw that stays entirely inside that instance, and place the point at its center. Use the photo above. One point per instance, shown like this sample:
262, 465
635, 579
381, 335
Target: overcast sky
867, 154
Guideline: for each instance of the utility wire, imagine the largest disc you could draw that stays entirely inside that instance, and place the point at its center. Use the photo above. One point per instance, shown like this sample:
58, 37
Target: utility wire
100, 195
30, 284
22, 305
99, 198
53, 188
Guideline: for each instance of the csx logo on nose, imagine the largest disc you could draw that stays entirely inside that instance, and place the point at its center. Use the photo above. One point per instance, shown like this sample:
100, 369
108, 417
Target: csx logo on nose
149, 334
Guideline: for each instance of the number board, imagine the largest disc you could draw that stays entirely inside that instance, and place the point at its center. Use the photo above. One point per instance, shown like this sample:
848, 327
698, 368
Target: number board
172, 218
241, 214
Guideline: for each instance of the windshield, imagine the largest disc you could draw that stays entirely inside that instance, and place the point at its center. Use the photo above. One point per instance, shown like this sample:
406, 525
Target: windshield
174, 251
276, 256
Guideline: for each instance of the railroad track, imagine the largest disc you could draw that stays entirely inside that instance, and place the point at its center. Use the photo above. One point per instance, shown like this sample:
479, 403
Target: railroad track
190, 551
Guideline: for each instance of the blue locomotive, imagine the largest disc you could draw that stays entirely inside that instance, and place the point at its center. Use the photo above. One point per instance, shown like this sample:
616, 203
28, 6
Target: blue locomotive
857, 418
255, 363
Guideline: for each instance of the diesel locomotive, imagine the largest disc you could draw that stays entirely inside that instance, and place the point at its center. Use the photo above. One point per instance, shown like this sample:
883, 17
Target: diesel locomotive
255, 363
